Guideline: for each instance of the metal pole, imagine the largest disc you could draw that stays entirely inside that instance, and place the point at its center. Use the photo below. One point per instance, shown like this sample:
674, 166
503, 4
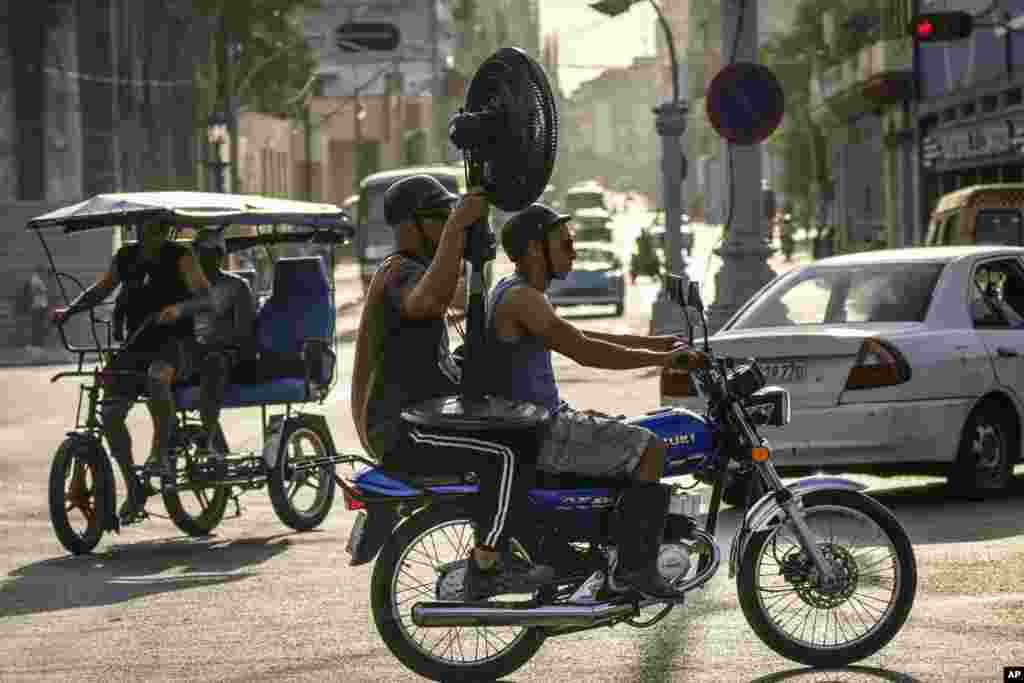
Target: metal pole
744, 253
670, 123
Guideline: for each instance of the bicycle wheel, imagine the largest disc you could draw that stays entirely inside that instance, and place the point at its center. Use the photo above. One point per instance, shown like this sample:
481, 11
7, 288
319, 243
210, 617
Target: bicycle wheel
194, 508
77, 495
301, 483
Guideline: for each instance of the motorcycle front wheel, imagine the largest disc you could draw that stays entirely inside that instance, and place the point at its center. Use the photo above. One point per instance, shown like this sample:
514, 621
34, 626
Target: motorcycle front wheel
424, 562
807, 622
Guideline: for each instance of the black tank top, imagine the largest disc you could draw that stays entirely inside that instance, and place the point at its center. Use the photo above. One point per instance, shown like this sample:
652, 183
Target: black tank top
149, 286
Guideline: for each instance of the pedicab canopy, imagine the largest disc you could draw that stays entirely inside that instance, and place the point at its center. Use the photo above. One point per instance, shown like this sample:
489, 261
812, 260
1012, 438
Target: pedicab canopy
195, 209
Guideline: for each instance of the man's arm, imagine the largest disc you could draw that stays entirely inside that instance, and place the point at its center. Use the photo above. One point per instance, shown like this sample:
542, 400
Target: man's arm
91, 297
531, 310
195, 280
430, 297
664, 342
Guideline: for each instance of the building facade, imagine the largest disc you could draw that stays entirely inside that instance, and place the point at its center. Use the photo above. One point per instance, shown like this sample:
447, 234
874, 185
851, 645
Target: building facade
971, 114
95, 96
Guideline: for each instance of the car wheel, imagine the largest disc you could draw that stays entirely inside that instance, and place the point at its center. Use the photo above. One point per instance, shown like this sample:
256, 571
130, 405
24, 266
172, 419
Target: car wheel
984, 461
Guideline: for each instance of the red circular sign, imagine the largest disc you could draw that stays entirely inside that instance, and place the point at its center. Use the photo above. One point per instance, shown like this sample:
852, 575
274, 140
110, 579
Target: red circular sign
745, 103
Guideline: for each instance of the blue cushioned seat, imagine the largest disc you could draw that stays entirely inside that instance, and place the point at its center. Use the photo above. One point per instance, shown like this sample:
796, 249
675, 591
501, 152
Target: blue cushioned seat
298, 309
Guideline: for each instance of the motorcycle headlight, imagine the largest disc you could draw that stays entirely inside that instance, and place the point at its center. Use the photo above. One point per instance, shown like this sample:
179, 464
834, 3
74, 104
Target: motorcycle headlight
769, 407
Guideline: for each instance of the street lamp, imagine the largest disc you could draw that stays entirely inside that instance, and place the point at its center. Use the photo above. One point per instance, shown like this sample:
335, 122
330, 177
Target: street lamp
216, 134
670, 123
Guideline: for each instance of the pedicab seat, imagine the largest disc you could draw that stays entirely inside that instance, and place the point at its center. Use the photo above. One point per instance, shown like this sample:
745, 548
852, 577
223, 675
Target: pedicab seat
293, 330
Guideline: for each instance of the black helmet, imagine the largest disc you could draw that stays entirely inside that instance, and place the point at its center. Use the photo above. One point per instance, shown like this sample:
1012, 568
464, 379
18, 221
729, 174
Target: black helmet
415, 193
532, 223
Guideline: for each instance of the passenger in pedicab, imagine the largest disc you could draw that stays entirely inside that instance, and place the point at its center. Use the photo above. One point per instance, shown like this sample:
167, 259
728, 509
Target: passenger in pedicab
162, 283
403, 358
224, 335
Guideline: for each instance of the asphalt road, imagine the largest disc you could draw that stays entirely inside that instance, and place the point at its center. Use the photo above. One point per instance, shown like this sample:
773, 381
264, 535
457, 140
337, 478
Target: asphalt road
256, 602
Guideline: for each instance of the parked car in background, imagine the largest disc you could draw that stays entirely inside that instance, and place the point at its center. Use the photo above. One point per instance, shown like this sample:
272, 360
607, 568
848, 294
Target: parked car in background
903, 360
596, 279
593, 225
979, 214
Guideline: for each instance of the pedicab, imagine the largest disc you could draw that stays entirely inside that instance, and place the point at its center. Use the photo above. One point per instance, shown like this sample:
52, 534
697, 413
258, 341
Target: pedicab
295, 321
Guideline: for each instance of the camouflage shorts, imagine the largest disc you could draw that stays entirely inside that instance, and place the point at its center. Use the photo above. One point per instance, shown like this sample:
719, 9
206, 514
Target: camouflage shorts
592, 444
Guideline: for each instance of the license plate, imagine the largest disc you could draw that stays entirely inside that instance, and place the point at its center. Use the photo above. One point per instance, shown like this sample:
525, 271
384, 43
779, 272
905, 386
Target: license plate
785, 372
357, 533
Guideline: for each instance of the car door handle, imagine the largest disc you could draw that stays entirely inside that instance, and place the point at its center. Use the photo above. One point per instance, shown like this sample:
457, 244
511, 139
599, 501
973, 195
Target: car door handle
1004, 352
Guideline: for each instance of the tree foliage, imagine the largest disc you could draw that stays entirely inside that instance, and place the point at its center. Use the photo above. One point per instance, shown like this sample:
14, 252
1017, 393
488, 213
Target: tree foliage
794, 57
270, 61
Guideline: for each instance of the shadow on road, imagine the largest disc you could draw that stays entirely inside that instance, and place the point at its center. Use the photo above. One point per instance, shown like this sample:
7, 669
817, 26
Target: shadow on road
931, 515
125, 572
850, 674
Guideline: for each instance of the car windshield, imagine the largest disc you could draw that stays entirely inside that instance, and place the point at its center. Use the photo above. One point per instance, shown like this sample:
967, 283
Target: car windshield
871, 293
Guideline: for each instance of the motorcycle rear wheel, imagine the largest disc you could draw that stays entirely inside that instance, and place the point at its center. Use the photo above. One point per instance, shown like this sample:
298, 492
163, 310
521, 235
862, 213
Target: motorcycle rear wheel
406, 573
776, 573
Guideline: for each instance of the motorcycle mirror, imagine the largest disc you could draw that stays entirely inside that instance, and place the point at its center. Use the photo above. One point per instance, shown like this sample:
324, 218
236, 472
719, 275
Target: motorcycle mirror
677, 287
693, 297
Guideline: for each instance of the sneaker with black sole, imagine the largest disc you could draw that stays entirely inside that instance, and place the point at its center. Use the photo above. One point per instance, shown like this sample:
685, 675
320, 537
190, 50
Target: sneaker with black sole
509, 574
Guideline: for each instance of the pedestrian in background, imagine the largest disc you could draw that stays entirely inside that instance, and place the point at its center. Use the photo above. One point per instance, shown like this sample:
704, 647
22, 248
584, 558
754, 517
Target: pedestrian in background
39, 294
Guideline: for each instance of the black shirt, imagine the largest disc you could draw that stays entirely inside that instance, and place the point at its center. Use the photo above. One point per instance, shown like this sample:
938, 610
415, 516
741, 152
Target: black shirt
150, 286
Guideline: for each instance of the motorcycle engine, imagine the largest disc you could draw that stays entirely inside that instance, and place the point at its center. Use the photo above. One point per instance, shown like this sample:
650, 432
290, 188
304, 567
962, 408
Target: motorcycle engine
673, 561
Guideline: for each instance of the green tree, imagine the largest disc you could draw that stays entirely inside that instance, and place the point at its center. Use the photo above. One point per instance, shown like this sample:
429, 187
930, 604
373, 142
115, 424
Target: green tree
794, 57
258, 61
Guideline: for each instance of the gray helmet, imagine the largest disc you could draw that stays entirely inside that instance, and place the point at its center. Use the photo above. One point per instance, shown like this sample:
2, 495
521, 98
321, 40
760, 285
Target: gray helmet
416, 193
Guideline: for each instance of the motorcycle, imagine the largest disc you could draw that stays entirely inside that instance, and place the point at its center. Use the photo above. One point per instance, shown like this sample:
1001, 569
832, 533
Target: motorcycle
825, 574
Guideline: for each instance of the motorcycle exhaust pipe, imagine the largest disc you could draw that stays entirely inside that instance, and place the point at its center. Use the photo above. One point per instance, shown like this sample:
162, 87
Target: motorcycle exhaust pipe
429, 614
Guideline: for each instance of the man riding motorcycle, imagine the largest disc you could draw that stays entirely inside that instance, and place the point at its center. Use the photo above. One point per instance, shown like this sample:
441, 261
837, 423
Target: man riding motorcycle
402, 358
162, 280
521, 331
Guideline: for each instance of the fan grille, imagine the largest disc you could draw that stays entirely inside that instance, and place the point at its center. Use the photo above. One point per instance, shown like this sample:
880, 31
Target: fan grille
517, 161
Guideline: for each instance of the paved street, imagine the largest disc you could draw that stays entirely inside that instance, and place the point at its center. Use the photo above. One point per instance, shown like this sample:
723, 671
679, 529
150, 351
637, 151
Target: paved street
256, 602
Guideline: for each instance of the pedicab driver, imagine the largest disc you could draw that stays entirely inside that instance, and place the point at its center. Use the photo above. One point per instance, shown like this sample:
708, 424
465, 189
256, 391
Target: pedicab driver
403, 358
161, 279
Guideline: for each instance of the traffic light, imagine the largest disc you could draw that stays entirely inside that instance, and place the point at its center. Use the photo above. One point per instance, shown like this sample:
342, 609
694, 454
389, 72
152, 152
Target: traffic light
935, 27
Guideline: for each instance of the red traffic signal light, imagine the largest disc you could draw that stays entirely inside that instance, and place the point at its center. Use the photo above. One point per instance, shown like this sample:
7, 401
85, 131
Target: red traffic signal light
934, 27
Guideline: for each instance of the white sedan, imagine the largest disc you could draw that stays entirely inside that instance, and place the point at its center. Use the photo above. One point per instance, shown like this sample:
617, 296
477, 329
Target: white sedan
903, 360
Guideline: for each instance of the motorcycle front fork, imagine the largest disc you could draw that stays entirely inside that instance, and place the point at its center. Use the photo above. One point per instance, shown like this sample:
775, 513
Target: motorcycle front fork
793, 510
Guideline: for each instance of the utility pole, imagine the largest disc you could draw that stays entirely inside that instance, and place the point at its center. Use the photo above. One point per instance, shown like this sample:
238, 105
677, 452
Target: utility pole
670, 124
745, 250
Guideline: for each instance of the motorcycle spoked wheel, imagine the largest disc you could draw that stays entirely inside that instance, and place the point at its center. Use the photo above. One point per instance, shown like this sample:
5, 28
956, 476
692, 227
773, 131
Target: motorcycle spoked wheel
406, 572
779, 594
194, 509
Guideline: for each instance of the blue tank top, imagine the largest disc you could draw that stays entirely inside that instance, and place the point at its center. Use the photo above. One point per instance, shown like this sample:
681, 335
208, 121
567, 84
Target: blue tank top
519, 370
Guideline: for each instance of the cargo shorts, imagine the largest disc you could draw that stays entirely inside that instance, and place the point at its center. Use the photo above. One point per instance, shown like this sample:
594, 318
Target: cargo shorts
592, 444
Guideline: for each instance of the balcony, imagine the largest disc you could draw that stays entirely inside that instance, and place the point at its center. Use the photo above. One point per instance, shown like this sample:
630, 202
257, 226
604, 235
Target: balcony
878, 75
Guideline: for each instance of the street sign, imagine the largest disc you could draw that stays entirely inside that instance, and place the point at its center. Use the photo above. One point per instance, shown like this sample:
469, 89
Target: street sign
745, 103
356, 36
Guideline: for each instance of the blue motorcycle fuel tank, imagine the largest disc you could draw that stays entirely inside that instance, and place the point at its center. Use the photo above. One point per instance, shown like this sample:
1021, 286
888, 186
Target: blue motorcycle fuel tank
687, 435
